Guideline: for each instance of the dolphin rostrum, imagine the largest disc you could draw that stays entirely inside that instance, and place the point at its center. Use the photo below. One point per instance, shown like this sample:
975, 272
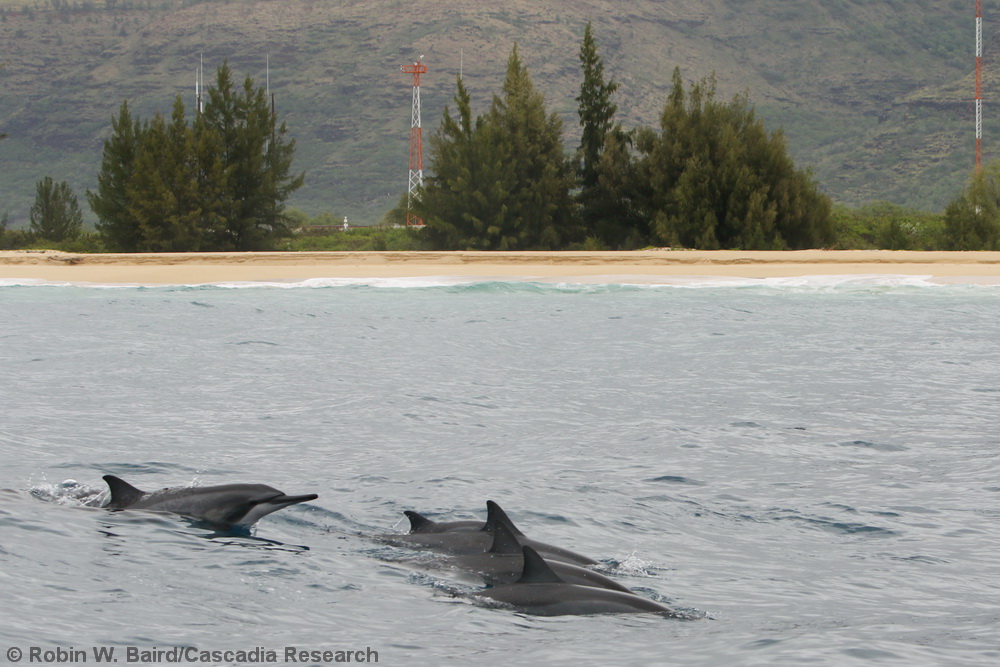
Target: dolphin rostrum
542, 592
223, 506
463, 541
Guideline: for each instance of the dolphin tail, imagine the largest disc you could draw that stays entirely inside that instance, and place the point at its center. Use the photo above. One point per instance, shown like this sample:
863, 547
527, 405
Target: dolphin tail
536, 570
123, 494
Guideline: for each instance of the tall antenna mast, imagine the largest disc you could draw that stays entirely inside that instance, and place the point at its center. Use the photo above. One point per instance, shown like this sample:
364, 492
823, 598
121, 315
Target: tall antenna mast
416, 142
199, 85
979, 85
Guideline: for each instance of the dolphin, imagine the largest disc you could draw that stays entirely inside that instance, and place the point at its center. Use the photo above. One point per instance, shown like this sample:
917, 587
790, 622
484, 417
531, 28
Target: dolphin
225, 506
421, 524
542, 592
504, 564
465, 542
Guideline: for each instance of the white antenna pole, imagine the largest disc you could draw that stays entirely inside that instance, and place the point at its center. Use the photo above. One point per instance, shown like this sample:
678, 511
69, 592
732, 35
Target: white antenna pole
461, 62
267, 75
200, 87
979, 85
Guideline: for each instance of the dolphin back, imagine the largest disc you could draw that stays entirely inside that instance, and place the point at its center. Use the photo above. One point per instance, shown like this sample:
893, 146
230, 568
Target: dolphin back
223, 506
421, 524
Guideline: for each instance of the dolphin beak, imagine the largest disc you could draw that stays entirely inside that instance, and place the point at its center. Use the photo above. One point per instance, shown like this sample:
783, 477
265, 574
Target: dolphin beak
284, 500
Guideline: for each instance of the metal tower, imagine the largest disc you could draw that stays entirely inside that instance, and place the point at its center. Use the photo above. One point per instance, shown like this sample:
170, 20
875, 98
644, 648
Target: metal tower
416, 142
979, 85
199, 85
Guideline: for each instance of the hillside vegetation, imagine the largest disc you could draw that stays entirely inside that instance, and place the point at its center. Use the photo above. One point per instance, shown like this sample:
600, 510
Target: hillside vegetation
874, 97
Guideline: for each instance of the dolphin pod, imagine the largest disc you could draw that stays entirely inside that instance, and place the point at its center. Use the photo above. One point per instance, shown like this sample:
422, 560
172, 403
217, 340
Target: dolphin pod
530, 576
460, 538
504, 564
225, 506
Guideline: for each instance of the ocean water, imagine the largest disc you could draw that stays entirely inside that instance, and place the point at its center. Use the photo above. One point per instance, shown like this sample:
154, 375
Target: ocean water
809, 469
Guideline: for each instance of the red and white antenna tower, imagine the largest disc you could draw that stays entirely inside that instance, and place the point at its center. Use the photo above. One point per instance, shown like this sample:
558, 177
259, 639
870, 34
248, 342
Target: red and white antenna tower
979, 85
416, 142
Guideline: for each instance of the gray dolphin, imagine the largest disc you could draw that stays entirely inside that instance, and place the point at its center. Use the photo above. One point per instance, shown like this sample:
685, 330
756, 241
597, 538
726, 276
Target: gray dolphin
421, 524
224, 506
504, 564
542, 592
465, 542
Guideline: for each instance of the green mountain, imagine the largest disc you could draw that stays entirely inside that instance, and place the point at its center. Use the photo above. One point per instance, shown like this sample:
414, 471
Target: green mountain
876, 97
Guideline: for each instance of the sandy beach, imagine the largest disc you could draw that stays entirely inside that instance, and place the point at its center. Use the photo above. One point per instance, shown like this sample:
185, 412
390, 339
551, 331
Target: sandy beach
641, 265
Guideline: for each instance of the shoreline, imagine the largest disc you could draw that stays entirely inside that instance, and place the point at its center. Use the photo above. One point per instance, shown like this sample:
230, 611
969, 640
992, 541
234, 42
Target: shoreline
974, 267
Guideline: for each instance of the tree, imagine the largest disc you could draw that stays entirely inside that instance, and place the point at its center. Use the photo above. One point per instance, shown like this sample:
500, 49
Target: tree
540, 213
166, 203
219, 183
972, 220
616, 213
55, 215
113, 198
464, 197
501, 181
714, 178
257, 158
599, 199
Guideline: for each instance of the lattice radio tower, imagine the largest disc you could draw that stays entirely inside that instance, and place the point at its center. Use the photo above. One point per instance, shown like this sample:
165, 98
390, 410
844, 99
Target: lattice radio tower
416, 142
979, 85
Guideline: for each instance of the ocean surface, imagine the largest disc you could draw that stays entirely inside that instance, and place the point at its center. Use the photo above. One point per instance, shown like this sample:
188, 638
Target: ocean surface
808, 469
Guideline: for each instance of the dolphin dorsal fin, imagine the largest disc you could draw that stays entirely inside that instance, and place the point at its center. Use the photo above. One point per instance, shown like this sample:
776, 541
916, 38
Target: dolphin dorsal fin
418, 522
495, 514
123, 494
536, 570
504, 541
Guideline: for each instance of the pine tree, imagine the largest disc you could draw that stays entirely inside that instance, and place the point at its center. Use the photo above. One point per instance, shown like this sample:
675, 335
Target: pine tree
219, 183
166, 201
596, 108
616, 214
112, 200
211, 174
540, 214
715, 178
972, 220
463, 200
600, 201
500, 182
439, 202
55, 215
257, 158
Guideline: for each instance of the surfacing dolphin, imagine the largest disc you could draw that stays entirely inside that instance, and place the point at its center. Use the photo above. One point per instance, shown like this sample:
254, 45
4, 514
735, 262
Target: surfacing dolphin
542, 592
504, 564
461, 541
421, 524
224, 506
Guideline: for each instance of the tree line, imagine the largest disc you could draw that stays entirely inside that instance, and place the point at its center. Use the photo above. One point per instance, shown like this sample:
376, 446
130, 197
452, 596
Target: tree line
709, 176
217, 183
